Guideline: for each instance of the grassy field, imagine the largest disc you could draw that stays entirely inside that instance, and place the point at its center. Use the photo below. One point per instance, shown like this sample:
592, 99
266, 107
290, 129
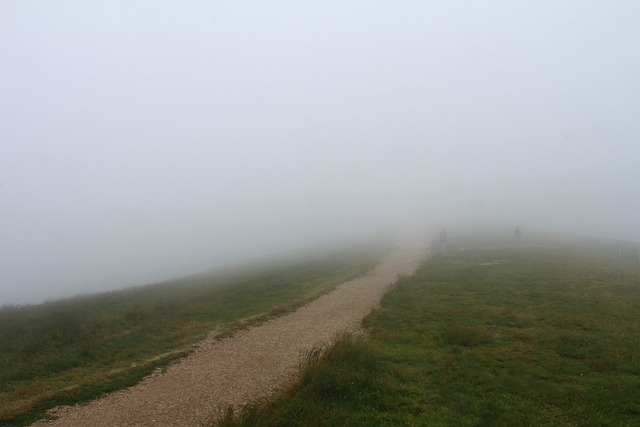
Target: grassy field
501, 336
73, 350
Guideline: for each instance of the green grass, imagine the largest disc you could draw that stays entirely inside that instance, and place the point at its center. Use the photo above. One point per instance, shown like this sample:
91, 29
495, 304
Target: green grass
76, 349
502, 337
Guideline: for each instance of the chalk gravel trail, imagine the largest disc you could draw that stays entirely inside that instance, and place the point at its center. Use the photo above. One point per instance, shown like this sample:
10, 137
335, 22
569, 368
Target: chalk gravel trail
252, 364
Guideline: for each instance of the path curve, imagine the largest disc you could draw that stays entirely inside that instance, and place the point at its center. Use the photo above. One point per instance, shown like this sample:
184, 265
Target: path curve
250, 365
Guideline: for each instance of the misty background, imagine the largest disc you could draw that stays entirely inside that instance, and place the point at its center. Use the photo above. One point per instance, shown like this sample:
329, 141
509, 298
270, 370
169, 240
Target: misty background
145, 140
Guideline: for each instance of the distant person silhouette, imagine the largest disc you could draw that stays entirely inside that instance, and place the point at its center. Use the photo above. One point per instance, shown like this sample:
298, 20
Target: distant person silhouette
443, 240
516, 233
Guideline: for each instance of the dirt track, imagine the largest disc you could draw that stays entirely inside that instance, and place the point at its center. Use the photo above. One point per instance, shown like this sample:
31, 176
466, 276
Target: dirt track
250, 365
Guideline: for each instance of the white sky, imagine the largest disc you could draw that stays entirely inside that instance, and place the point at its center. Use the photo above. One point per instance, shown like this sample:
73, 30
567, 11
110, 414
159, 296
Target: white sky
141, 140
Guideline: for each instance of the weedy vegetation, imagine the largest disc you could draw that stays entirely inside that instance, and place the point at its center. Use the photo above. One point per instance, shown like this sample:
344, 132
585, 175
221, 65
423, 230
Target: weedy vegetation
504, 335
73, 350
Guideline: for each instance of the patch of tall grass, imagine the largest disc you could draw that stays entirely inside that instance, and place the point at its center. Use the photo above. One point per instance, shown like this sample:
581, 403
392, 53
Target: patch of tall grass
503, 336
342, 373
71, 350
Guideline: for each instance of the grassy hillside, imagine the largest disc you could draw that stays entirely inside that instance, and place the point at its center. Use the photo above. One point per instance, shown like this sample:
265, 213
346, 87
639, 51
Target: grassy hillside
500, 337
76, 349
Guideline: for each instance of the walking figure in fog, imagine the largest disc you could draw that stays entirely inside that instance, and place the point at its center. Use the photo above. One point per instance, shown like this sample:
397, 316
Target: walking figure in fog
516, 233
443, 240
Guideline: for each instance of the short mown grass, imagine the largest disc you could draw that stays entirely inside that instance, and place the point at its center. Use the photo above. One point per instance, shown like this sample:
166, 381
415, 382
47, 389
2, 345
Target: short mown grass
72, 350
511, 336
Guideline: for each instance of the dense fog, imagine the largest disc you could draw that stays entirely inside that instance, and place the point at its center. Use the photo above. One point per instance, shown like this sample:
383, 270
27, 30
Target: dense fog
146, 140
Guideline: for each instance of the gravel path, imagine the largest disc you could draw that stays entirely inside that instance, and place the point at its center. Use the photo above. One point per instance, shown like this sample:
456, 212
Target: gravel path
252, 364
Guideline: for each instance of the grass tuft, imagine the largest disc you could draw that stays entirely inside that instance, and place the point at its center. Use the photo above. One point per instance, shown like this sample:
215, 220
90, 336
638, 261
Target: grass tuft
466, 336
338, 373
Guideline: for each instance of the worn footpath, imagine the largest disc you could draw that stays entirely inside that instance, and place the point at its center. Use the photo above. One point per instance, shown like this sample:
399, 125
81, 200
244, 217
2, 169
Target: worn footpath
250, 365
